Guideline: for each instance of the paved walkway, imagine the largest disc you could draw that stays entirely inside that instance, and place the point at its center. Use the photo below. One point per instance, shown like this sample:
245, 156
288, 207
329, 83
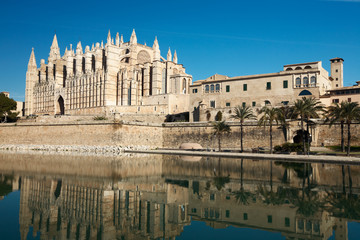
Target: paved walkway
262, 156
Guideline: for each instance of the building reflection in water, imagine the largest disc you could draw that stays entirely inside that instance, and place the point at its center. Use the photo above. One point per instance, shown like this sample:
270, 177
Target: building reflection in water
155, 196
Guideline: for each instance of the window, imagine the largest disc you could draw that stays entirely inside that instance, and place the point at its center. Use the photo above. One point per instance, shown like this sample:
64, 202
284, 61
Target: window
298, 82
287, 222
269, 218
227, 213
253, 104
212, 104
306, 81
217, 87
285, 103
268, 85
335, 100
245, 87
212, 88
245, 216
227, 88
285, 84
244, 104
195, 90
349, 99
227, 197
193, 210
207, 88
336, 70
337, 79
227, 104
337, 85
313, 81
267, 102
212, 197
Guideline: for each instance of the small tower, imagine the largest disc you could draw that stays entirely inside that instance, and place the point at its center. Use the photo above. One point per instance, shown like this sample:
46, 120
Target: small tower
31, 77
54, 50
133, 38
169, 56
175, 59
336, 65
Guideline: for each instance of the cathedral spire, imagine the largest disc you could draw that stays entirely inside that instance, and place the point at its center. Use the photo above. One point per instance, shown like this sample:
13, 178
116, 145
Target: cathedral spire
117, 39
54, 49
169, 55
133, 38
156, 50
54, 44
156, 44
32, 60
109, 37
175, 59
79, 49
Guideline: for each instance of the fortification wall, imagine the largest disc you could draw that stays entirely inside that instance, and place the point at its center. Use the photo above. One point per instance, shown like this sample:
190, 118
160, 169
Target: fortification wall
166, 135
90, 133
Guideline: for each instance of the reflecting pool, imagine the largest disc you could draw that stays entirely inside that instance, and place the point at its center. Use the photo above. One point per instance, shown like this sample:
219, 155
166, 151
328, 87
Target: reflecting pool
140, 196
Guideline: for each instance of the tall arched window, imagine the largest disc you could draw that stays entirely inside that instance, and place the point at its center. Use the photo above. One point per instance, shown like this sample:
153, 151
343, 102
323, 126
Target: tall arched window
313, 81
212, 88
163, 81
184, 85
217, 87
298, 82
207, 88
306, 81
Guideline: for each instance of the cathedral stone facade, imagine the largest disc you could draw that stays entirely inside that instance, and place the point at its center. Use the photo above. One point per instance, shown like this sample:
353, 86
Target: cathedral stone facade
113, 78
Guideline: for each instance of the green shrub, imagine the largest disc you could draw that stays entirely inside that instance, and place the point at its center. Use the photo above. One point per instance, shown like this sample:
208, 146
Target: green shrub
288, 147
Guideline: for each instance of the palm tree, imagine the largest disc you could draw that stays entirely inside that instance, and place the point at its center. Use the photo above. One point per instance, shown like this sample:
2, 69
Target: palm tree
306, 108
351, 112
284, 113
242, 113
269, 115
334, 114
221, 128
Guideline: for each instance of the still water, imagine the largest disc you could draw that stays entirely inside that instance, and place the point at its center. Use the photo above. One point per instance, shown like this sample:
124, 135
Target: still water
139, 196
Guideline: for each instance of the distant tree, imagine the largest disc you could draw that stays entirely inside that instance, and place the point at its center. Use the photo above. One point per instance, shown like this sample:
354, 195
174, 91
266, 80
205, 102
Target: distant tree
6, 107
242, 113
269, 115
221, 128
333, 114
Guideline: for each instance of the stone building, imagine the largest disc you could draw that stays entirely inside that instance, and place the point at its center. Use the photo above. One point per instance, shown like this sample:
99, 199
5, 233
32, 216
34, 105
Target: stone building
338, 95
223, 93
104, 79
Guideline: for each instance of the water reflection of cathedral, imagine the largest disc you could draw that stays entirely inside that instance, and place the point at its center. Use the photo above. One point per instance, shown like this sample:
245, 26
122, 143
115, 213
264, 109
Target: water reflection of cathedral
131, 197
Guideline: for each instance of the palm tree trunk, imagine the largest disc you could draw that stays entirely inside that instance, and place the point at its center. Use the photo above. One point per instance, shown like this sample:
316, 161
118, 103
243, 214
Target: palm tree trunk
271, 139
343, 178
241, 138
342, 137
349, 136
303, 134
307, 137
350, 180
219, 141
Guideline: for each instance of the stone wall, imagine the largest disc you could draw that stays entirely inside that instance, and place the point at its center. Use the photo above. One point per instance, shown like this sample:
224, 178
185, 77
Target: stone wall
85, 133
166, 135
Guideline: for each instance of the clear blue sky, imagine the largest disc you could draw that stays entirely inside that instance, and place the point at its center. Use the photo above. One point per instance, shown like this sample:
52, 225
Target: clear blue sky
233, 38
